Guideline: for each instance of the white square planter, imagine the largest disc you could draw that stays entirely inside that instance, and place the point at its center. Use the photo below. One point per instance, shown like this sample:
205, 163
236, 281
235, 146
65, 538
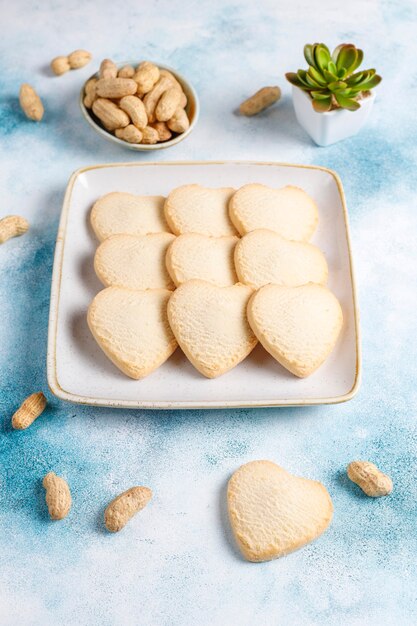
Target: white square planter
327, 128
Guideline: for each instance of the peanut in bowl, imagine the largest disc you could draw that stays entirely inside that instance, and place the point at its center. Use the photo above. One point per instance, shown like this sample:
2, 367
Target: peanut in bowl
160, 112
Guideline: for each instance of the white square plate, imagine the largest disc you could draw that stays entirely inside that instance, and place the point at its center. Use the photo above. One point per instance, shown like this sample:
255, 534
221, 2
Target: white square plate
80, 372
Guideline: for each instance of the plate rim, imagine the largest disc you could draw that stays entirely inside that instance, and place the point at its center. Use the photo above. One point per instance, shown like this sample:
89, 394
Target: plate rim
62, 394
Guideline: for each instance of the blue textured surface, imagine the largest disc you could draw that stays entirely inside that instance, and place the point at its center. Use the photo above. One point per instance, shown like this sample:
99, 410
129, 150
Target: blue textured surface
175, 564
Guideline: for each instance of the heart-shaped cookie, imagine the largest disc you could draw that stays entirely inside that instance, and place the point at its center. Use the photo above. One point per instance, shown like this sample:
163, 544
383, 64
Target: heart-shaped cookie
197, 209
134, 261
119, 212
288, 211
298, 326
210, 325
273, 513
132, 329
197, 256
263, 257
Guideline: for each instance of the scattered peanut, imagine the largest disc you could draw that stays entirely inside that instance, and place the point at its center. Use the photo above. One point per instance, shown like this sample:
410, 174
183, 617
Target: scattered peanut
128, 71
260, 100
115, 87
108, 69
163, 131
31, 103
90, 92
79, 58
135, 109
369, 478
167, 104
125, 506
74, 61
12, 226
58, 496
60, 65
110, 114
28, 411
147, 74
179, 122
129, 133
150, 135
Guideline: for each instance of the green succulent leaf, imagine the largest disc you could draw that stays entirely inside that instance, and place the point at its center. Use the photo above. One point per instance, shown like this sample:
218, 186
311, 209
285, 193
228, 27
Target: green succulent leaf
371, 83
323, 45
322, 105
313, 83
345, 92
367, 75
336, 51
330, 77
347, 103
355, 78
347, 57
320, 95
321, 56
337, 86
308, 55
332, 68
317, 76
293, 79
359, 59
302, 76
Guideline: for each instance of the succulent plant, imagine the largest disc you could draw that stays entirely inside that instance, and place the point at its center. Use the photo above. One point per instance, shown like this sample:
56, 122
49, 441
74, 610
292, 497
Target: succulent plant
330, 79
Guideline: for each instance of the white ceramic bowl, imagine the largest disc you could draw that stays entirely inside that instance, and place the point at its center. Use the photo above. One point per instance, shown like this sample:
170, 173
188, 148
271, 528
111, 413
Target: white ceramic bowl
192, 110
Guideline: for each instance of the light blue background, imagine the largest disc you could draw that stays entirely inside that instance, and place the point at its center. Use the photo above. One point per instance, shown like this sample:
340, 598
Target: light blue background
175, 564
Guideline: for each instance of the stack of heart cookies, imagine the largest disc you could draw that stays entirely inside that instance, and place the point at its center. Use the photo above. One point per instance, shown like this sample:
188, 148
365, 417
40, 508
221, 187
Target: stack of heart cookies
215, 271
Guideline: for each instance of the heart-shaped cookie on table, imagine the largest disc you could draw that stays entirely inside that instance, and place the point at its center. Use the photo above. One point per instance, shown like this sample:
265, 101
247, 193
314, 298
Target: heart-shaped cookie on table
132, 329
263, 257
210, 325
134, 261
197, 209
288, 211
273, 512
298, 326
197, 256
